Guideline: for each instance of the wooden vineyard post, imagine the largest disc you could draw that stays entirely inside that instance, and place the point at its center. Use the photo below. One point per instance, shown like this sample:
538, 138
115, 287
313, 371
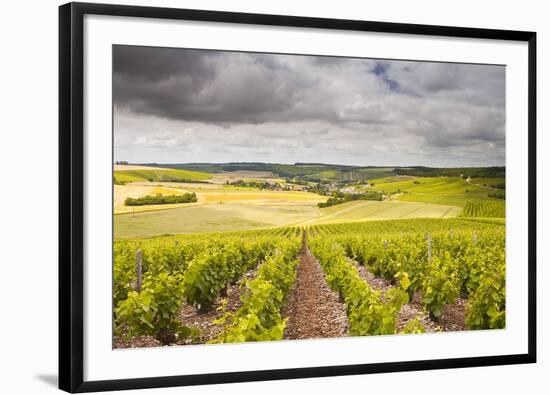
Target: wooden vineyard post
139, 261
429, 247
385, 244
474, 238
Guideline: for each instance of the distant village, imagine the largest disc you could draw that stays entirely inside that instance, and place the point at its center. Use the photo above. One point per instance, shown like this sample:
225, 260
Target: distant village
321, 188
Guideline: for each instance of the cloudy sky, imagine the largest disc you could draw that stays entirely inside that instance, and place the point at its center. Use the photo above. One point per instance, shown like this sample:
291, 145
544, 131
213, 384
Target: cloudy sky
181, 106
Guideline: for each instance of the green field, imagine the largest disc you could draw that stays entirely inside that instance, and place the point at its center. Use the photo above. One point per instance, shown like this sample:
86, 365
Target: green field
453, 191
488, 209
221, 207
488, 182
160, 175
210, 218
373, 210
392, 277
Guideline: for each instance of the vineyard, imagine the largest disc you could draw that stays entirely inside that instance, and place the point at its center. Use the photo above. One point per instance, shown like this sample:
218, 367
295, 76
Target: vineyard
437, 262
488, 209
365, 278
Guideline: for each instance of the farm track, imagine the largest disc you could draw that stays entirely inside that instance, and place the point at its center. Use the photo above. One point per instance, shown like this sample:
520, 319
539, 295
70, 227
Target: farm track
318, 213
482, 186
446, 212
313, 309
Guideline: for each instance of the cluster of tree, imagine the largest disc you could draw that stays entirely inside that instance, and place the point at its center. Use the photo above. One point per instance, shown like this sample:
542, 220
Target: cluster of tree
160, 199
256, 184
320, 188
121, 162
497, 194
341, 197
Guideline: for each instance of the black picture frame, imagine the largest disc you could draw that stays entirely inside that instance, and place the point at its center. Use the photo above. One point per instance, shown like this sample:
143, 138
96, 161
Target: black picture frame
71, 204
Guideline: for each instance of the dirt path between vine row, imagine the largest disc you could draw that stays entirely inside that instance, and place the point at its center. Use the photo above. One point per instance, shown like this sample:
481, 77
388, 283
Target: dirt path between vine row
313, 309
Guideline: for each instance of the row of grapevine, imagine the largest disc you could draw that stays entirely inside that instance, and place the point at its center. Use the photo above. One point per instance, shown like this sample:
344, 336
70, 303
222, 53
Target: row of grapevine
259, 318
195, 270
171, 254
214, 269
466, 260
158, 256
410, 225
368, 312
438, 259
488, 208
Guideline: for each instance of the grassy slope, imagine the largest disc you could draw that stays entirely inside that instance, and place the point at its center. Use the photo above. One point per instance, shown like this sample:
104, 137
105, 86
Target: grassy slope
241, 216
372, 210
208, 194
210, 218
160, 175
490, 182
243, 208
261, 196
439, 190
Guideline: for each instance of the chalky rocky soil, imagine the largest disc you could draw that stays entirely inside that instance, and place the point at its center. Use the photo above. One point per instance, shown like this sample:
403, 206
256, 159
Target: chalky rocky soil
313, 309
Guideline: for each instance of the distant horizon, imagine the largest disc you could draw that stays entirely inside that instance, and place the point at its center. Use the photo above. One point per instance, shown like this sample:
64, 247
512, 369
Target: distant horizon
294, 164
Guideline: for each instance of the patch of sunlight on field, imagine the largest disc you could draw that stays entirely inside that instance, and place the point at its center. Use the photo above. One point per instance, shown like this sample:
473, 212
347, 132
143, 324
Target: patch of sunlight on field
210, 218
373, 210
255, 196
195, 186
166, 191
453, 191
208, 194
158, 174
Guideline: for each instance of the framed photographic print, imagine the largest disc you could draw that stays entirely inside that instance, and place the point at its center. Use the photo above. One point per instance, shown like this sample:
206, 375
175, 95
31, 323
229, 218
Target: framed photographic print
251, 197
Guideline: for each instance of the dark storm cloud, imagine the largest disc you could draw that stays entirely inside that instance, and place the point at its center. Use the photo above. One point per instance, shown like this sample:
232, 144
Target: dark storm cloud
375, 110
204, 85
